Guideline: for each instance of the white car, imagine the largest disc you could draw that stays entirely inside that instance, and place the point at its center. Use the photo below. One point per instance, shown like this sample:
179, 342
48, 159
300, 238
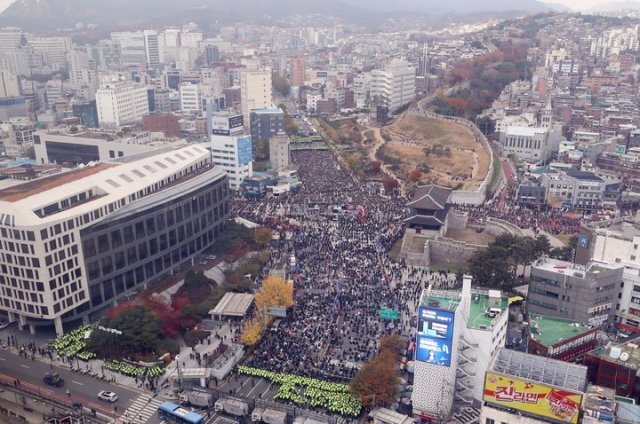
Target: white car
108, 396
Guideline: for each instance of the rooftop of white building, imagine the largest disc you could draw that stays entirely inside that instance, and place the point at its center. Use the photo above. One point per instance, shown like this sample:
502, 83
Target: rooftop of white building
570, 268
525, 131
23, 204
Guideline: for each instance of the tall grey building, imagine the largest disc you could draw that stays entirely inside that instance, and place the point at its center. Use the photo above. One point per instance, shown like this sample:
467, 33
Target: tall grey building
265, 123
279, 151
580, 293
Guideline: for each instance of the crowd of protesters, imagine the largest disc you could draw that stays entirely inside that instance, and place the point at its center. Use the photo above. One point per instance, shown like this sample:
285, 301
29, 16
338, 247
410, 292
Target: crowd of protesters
343, 275
340, 231
553, 221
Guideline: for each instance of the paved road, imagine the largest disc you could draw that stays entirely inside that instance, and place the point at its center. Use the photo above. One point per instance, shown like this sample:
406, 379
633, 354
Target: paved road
83, 388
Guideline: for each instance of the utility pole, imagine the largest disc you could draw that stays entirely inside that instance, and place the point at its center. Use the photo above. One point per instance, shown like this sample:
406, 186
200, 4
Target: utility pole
178, 368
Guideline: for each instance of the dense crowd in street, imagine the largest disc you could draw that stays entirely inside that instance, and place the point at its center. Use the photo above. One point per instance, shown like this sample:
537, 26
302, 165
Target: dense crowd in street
341, 238
341, 282
343, 276
554, 222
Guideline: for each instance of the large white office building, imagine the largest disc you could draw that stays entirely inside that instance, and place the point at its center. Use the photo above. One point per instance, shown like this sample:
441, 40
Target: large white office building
74, 243
57, 146
230, 149
131, 47
395, 85
120, 102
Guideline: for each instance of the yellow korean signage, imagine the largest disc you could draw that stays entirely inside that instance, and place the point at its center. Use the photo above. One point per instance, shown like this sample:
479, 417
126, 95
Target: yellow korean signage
544, 401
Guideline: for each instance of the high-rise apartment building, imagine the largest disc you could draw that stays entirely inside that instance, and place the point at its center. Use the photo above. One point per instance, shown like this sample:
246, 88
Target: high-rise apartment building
153, 49
131, 47
54, 50
121, 102
395, 85
297, 71
83, 73
10, 38
255, 90
8, 85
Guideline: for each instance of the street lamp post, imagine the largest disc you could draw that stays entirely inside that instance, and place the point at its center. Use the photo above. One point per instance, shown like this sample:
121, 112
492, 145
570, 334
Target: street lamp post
178, 368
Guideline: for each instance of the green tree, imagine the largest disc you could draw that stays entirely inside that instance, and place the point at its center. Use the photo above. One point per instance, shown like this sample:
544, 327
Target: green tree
543, 246
140, 334
496, 266
196, 279
486, 125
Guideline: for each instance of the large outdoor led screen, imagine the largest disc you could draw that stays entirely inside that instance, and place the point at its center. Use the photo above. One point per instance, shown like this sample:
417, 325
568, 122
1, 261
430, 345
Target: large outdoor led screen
435, 334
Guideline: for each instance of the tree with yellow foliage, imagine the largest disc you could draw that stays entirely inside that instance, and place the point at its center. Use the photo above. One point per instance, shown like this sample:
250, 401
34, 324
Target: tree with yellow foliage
252, 332
275, 291
262, 236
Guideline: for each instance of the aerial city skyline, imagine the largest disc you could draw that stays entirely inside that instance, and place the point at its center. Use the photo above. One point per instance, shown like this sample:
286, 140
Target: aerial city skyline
319, 213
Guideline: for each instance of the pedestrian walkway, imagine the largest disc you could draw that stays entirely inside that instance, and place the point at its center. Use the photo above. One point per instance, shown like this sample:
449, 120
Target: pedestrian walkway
141, 410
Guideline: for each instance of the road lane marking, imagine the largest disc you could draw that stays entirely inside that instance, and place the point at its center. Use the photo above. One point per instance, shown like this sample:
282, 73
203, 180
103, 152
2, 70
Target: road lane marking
255, 387
24, 366
77, 382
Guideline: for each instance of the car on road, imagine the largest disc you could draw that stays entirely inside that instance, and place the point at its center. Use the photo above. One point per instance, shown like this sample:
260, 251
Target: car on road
53, 379
108, 396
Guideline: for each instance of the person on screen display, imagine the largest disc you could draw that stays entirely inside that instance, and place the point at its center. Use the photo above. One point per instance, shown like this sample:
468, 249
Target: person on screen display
431, 357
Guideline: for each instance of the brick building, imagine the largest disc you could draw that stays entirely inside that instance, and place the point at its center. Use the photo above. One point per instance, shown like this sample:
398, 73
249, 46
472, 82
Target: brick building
166, 123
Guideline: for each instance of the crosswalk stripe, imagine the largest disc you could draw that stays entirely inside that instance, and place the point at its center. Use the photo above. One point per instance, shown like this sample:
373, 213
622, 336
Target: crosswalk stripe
142, 409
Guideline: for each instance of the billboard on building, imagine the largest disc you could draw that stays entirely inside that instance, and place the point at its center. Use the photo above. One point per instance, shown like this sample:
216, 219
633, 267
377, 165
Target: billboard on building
544, 401
245, 150
226, 124
435, 336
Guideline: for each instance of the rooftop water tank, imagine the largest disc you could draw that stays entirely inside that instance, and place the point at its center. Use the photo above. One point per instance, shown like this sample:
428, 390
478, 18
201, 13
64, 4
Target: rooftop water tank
615, 352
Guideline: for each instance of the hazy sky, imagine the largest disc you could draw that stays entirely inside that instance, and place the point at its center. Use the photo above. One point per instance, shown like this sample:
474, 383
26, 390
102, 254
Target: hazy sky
4, 4
579, 4
573, 4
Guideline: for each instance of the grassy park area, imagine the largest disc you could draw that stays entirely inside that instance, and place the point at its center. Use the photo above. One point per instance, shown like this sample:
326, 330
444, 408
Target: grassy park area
444, 153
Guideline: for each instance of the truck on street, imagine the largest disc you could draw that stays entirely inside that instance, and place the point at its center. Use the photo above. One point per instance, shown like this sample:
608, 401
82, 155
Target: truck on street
197, 398
232, 407
268, 416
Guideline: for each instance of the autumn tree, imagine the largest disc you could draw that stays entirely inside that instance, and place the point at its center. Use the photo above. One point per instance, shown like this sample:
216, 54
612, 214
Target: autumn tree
275, 291
415, 175
262, 236
390, 184
290, 126
375, 383
252, 332
375, 166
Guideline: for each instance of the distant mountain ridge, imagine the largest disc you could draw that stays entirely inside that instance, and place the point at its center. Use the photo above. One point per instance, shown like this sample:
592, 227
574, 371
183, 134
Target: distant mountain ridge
51, 14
